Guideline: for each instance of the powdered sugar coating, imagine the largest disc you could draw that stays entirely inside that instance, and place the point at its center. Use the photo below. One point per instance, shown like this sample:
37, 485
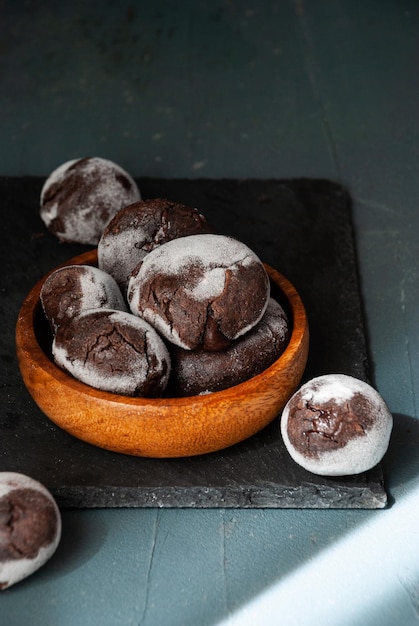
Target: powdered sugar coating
15, 480
141, 227
187, 284
113, 351
80, 197
335, 387
195, 372
325, 400
120, 254
15, 566
213, 252
99, 289
55, 178
72, 289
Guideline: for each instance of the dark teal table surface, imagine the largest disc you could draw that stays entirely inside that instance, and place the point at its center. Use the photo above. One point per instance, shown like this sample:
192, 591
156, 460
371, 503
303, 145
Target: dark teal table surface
228, 89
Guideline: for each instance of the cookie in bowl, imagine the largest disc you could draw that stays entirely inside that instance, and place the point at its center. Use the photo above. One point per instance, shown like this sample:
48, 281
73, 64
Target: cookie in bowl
141, 227
164, 427
70, 290
201, 291
201, 371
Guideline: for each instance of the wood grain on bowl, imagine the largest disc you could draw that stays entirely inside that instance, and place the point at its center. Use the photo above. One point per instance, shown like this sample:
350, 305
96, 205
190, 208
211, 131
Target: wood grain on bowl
164, 427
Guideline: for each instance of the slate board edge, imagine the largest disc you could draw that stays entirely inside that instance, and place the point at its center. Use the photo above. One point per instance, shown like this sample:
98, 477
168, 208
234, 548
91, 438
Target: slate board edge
308, 496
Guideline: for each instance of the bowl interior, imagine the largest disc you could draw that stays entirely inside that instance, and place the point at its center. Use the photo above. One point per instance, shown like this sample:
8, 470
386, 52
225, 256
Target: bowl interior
42, 330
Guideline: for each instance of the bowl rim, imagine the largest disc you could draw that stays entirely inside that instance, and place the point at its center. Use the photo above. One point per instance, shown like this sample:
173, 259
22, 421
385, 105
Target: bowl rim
28, 346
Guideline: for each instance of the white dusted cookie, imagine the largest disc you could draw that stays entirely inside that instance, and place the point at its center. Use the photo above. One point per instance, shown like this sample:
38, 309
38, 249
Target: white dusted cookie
200, 291
79, 198
200, 371
30, 527
72, 289
114, 351
336, 425
139, 228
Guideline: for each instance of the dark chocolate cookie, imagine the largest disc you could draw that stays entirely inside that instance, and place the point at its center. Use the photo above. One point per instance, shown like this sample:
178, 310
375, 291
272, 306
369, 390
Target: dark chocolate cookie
75, 288
200, 291
80, 197
198, 371
336, 425
113, 351
30, 527
141, 227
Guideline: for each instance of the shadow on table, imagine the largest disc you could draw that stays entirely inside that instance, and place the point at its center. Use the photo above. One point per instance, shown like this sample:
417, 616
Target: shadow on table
260, 547
209, 562
401, 463
284, 541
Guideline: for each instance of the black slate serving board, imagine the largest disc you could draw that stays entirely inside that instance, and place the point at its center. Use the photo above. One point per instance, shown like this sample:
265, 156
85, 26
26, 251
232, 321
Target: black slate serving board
303, 228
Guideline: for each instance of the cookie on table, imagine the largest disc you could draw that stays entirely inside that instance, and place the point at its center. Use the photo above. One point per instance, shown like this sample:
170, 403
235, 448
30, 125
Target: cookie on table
30, 527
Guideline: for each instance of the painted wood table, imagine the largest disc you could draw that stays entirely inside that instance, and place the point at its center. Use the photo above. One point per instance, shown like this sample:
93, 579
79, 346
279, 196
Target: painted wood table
225, 91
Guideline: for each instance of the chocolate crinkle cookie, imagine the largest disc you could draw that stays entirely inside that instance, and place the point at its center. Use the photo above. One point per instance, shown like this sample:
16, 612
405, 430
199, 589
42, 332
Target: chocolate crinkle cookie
336, 425
81, 196
200, 291
30, 527
113, 351
72, 289
141, 227
198, 371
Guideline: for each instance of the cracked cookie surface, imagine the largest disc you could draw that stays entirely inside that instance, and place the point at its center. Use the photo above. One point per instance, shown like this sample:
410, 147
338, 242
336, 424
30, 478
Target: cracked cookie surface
199, 371
113, 351
200, 291
70, 290
336, 425
30, 527
141, 227
80, 197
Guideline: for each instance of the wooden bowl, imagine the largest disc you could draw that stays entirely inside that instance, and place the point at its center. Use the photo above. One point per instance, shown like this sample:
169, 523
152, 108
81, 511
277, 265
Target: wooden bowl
164, 427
